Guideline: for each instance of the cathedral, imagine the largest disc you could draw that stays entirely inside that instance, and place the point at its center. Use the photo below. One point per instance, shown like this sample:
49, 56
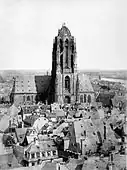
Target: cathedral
64, 85
67, 86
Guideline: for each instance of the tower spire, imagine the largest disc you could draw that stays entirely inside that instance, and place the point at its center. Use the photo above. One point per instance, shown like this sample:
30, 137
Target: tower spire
64, 24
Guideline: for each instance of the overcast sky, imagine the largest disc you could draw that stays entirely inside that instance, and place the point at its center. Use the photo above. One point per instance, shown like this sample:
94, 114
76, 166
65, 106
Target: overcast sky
27, 29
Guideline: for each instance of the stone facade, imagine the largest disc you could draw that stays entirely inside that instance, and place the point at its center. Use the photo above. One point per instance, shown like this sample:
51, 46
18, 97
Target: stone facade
64, 67
64, 83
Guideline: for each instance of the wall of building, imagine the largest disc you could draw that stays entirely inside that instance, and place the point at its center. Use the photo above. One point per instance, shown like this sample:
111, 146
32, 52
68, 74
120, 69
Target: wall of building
21, 99
87, 94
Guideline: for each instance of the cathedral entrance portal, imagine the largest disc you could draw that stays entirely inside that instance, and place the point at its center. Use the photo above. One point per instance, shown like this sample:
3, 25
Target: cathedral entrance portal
67, 99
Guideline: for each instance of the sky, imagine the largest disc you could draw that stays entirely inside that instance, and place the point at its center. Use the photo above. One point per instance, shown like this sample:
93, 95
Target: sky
28, 27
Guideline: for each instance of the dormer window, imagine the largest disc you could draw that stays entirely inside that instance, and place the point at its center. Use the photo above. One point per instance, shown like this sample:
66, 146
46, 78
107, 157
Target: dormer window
33, 155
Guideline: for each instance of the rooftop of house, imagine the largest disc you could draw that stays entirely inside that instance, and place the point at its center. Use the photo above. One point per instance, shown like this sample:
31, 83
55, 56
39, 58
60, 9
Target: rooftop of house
49, 166
20, 133
47, 145
41, 145
29, 120
32, 148
3, 125
85, 127
7, 159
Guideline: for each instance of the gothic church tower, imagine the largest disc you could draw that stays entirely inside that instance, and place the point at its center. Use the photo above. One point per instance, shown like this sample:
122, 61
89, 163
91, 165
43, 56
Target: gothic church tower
64, 68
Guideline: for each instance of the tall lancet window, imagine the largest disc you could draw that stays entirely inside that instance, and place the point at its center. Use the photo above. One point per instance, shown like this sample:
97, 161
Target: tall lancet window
72, 63
61, 54
66, 52
67, 83
61, 46
89, 99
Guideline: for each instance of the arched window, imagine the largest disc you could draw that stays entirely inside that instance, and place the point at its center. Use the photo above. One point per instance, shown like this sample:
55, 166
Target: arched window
61, 61
66, 50
89, 99
84, 98
67, 83
72, 48
72, 63
81, 99
61, 46
67, 99
28, 98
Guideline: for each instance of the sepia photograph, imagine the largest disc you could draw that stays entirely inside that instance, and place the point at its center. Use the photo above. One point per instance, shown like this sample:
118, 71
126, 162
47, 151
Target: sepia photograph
63, 85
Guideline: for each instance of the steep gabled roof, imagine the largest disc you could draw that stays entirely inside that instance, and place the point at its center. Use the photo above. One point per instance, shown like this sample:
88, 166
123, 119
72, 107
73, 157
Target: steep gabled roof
25, 84
47, 145
49, 166
85, 126
84, 83
42, 83
33, 148
20, 133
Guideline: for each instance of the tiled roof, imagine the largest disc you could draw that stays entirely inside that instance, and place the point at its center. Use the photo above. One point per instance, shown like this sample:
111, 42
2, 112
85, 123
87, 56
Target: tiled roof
42, 83
30, 120
25, 84
49, 166
8, 159
60, 128
47, 145
84, 83
33, 148
88, 126
13, 111
43, 145
20, 132
18, 152
5, 88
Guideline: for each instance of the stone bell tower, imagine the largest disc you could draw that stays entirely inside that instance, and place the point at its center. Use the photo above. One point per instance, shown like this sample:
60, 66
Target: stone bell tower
64, 67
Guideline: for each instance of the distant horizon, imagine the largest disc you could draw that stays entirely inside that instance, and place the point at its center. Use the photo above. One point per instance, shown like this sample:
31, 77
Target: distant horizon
45, 70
